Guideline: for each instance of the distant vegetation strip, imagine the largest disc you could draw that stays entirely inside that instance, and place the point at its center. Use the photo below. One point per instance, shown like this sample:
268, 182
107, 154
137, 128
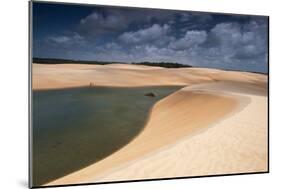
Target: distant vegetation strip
163, 64
67, 61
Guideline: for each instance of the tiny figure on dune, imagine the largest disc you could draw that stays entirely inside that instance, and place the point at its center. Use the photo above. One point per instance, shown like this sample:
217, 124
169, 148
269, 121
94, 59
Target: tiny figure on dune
91, 84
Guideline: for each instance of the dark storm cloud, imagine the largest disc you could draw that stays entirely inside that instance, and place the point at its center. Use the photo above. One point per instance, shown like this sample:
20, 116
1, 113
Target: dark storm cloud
133, 35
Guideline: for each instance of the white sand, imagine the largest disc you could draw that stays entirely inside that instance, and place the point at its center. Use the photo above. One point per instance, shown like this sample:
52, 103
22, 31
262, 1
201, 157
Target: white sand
72, 75
215, 125
237, 144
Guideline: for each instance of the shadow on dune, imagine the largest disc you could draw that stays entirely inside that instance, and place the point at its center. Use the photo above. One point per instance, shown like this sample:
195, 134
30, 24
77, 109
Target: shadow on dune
73, 128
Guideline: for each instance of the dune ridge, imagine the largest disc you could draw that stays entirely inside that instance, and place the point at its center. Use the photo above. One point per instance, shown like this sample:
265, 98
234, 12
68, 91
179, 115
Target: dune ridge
46, 76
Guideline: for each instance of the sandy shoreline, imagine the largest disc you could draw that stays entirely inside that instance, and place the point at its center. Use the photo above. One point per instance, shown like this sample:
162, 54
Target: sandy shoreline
236, 144
215, 125
160, 130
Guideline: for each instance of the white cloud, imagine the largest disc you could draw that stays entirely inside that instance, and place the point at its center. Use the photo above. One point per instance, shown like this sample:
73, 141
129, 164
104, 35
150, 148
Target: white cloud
111, 20
100, 23
240, 41
148, 35
59, 39
228, 34
191, 39
230, 43
66, 41
224, 45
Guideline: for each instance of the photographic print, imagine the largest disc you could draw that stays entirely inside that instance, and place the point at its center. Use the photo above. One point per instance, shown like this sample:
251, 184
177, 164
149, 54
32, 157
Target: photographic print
125, 94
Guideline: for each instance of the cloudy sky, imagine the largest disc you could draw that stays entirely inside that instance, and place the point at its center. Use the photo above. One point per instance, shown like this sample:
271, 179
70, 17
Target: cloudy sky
136, 35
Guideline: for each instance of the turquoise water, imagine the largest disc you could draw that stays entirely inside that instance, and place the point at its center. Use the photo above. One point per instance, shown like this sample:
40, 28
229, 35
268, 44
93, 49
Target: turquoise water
73, 128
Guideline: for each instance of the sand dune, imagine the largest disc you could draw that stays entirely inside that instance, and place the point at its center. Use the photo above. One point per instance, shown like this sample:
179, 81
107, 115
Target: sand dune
233, 145
217, 124
72, 75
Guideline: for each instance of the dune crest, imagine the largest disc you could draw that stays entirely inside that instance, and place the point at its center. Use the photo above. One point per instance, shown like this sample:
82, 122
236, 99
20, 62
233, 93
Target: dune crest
48, 76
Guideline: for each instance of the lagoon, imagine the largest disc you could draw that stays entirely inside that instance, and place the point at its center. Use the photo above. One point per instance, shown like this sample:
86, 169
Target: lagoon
74, 128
